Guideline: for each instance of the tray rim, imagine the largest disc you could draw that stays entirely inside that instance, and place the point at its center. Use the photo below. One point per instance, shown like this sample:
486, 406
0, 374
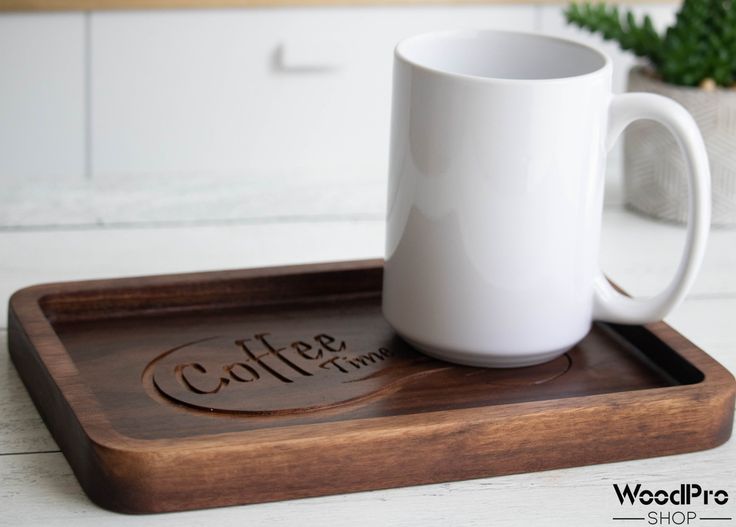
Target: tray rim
29, 323
26, 304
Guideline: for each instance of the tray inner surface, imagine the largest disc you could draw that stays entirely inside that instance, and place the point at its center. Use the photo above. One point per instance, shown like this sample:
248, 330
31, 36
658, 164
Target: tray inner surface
227, 369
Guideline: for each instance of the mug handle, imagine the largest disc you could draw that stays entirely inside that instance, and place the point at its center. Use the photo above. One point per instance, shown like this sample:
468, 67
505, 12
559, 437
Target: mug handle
610, 305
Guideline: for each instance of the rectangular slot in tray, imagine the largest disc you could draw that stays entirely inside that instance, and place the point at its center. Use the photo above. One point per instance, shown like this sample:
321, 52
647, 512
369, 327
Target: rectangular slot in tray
288, 382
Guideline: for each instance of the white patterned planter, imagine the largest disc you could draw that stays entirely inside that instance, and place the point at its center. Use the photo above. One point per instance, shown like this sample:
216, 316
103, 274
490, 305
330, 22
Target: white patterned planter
654, 169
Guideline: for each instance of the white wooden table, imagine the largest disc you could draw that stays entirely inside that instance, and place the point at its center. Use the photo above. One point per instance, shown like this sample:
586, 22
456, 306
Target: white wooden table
38, 488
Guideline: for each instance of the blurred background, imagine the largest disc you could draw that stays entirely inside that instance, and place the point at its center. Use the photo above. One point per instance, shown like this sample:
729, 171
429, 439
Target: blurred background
167, 116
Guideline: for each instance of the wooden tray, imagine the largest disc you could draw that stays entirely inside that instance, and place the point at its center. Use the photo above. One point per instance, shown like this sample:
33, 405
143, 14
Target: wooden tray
201, 390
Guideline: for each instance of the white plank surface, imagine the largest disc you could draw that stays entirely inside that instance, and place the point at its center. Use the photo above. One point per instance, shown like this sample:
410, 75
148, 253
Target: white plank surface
145, 199
39, 489
41, 98
637, 252
642, 255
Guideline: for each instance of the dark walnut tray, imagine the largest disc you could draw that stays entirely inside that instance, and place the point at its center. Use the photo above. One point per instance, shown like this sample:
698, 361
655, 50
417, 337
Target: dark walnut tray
201, 390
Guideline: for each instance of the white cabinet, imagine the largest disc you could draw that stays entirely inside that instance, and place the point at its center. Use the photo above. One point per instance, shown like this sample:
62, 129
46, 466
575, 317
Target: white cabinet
256, 91
42, 99
262, 92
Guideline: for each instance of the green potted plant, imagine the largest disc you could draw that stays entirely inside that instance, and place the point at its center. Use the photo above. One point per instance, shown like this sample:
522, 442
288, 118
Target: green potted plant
693, 62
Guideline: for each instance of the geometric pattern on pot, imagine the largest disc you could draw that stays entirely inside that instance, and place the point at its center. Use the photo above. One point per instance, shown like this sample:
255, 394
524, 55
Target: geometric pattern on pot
654, 169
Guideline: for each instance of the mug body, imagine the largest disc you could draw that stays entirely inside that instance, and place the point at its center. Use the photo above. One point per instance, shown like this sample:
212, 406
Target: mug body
495, 194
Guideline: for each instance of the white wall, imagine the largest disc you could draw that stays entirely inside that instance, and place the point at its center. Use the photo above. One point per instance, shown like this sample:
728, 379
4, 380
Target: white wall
42, 97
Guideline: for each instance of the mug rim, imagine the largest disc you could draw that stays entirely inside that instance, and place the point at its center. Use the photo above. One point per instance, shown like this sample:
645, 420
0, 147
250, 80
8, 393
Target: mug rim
400, 54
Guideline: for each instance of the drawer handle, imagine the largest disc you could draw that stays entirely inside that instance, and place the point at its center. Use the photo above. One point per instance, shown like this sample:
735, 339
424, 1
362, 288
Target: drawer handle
302, 62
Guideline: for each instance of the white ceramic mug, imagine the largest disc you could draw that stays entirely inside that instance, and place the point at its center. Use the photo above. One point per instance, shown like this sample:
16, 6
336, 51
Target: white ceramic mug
498, 149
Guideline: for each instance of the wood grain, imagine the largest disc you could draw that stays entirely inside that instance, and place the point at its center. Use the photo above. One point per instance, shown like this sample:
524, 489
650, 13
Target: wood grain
128, 447
22, 429
99, 5
579, 496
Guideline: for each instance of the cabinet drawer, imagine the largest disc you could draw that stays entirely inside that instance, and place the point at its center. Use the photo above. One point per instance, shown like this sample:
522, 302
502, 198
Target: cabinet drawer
256, 91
